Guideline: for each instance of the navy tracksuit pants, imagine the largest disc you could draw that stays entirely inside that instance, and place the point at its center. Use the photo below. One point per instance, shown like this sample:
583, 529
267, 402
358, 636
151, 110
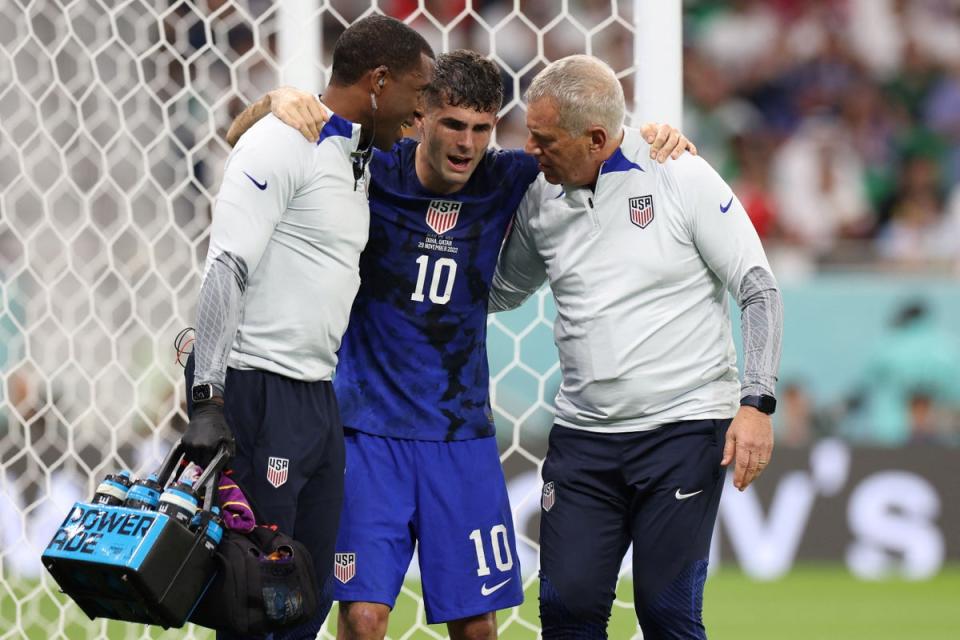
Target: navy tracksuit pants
658, 490
280, 423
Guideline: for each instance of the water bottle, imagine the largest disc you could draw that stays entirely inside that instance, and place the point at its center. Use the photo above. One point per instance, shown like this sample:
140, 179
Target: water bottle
214, 530
144, 494
112, 490
283, 600
179, 502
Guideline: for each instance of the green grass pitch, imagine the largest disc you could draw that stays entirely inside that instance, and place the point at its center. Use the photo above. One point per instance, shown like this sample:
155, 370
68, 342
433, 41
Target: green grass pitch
811, 603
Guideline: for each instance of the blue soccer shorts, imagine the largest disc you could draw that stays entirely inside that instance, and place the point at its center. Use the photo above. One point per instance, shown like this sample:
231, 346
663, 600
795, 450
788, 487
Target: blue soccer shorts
448, 497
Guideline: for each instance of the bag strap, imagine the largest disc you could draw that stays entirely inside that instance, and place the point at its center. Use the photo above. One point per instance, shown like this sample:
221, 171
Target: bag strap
209, 476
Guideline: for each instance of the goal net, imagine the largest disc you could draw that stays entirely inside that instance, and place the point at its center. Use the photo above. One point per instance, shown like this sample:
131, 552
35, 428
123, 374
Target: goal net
112, 123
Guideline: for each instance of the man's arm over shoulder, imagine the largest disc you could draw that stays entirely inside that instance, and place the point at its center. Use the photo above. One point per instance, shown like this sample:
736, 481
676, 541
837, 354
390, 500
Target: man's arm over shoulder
728, 243
299, 109
520, 269
261, 176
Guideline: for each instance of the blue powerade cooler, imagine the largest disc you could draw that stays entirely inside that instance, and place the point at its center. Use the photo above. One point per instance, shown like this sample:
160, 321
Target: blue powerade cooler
133, 564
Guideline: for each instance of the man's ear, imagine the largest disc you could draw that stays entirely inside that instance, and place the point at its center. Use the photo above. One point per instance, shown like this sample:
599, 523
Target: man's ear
598, 139
378, 77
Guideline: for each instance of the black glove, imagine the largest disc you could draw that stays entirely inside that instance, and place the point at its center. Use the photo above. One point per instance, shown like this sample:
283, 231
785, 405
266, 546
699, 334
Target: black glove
206, 432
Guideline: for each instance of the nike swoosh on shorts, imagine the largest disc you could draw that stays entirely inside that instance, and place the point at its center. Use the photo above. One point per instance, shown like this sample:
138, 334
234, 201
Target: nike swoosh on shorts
484, 591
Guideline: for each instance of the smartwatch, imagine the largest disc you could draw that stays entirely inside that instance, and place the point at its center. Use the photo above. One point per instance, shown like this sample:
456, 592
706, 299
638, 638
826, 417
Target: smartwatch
766, 404
204, 392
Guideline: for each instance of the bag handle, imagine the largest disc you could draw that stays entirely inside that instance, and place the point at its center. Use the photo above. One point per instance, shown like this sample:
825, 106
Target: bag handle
207, 479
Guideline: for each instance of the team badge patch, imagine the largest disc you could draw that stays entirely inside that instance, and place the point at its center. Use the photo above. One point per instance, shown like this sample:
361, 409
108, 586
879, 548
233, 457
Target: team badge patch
344, 566
442, 215
641, 211
277, 469
549, 496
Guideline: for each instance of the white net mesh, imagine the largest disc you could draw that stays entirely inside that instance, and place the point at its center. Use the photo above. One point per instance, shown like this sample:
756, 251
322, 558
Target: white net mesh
112, 116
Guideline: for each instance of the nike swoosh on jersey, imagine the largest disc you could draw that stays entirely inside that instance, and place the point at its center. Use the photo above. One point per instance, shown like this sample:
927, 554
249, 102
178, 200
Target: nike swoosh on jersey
260, 185
484, 591
726, 207
684, 496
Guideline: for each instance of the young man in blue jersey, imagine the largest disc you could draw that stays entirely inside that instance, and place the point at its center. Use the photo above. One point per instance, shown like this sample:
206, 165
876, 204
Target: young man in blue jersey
413, 383
289, 223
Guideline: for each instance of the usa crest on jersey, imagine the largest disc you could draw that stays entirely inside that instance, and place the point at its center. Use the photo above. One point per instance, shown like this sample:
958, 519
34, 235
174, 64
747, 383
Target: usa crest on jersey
442, 215
549, 496
641, 211
344, 566
277, 470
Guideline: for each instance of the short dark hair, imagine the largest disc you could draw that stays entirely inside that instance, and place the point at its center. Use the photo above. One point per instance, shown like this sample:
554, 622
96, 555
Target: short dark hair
374, 41
465, 78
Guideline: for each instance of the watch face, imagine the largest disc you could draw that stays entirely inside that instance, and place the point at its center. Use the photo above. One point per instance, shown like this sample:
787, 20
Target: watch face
764, 403
202, 392
768, 404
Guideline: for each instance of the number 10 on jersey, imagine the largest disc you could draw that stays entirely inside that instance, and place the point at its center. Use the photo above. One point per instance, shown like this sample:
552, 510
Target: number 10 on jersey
444, 272
501, 550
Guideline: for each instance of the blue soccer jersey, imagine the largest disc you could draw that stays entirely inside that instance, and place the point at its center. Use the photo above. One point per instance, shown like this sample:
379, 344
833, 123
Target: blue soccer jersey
413, 362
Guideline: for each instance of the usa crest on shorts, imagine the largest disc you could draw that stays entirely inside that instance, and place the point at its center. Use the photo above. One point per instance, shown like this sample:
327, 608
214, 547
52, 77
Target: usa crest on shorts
641, 211
442, 215
549, 496
344, 566
277, 470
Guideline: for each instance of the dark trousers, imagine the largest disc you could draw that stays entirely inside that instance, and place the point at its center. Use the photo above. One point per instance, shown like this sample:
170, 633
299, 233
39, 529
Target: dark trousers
279, 422
658, 490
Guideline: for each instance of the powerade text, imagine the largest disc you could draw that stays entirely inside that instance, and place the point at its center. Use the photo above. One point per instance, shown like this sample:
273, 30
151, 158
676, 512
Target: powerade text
85, 526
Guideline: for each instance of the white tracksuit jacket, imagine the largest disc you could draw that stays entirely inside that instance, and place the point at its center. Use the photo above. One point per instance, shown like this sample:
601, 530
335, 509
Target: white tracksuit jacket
640, 269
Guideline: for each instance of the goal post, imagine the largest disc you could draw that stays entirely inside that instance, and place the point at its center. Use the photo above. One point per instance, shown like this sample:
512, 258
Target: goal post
658, 60
300, 44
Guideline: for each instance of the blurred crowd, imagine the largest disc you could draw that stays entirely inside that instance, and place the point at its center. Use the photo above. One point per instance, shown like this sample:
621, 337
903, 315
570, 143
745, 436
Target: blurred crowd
838, 125
837, 121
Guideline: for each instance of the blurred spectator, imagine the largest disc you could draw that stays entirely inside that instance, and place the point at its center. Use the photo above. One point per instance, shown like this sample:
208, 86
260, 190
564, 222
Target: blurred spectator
849, 93
910, 88
713, 114
914, 369
752, 185
823, 67
881, 31
942, 116
918, 233
797, 421
924, 422
873, 134
876, 35
818, 181
742, 40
